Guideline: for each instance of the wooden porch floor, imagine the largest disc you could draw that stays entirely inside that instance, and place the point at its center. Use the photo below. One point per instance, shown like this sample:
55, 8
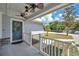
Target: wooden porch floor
21, 49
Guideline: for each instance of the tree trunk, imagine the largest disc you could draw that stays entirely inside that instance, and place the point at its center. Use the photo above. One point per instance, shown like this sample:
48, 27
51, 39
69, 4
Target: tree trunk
67, 32
47, 33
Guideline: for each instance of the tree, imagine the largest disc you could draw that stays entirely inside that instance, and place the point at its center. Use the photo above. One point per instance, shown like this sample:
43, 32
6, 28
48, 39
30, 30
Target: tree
50, 25
60, 26
69, 17
44, 24
76, 26
56, 26
47, 29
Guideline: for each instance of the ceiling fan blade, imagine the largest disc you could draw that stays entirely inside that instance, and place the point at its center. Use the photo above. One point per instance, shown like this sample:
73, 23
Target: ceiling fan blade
40, 5
22, 14
17, 15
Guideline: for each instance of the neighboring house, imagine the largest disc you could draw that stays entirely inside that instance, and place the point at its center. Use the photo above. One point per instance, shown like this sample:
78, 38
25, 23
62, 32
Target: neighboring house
29, 27
33, 26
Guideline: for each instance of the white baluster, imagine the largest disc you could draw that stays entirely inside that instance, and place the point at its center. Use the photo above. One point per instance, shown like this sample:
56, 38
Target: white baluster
58, 48
55, 48
51, 48
68, 51
43, 44
62, 48
46, 46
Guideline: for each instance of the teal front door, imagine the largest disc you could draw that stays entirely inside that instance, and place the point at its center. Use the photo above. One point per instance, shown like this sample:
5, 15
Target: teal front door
16, 31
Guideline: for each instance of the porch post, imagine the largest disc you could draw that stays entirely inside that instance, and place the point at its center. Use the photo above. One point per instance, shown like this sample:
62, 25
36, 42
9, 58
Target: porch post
31, 39
40, 39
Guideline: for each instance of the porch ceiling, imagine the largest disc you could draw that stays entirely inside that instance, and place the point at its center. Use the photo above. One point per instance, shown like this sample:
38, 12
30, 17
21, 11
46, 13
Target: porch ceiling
19, 7
13, 9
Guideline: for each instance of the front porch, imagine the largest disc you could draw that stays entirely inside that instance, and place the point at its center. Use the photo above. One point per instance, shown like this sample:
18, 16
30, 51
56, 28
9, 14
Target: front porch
21, 49
45, 46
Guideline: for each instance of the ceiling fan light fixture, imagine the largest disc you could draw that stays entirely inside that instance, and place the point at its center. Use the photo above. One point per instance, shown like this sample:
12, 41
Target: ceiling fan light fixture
26, 10
26, 7
22, 14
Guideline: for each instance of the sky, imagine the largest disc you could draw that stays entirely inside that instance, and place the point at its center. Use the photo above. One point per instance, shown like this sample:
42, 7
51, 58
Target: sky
57, 15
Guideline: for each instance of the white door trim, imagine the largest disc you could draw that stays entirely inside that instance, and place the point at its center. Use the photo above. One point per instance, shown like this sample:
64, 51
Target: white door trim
13, 19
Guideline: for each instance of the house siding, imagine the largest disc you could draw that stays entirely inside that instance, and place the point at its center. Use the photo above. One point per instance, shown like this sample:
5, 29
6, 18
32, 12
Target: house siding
5, 26
32, 26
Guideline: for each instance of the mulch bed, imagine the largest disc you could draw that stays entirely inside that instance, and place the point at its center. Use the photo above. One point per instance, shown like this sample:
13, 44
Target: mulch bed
34, 41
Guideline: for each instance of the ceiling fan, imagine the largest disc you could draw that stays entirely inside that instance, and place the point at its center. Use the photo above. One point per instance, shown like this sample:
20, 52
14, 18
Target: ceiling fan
30, 8
21, 14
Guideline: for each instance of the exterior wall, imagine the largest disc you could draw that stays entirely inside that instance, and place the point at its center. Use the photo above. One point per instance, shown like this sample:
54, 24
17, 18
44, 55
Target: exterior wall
6, 26
29, 26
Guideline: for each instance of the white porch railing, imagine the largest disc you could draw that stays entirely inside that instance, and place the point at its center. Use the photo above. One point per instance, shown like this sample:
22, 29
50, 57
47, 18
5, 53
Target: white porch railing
56, 47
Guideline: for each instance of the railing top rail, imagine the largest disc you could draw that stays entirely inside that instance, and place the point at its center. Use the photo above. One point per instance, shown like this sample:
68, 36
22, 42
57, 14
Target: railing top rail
61, 40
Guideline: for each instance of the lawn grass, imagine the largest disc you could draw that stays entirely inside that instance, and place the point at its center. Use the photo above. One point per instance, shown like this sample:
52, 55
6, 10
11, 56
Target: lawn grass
76, 52
58, 36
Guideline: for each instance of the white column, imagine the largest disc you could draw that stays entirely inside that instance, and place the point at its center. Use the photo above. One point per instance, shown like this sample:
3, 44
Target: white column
40, 42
